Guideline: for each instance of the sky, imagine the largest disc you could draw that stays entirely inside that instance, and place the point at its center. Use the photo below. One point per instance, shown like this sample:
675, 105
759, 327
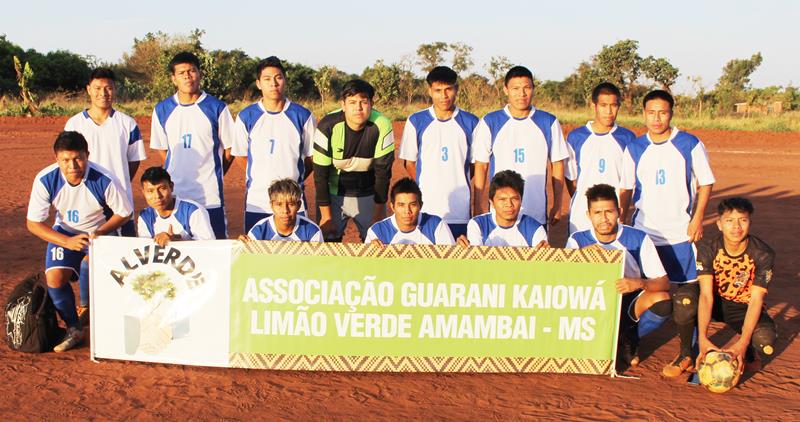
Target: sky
698, 37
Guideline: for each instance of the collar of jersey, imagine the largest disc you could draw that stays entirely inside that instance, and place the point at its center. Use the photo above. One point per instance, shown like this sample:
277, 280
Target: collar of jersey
394, 223
433, 114
494, 220
672, 136
175, 207
83, 179
86, 114
620, 228
589, 126
533, 110
285, 106
199, 99
271, 222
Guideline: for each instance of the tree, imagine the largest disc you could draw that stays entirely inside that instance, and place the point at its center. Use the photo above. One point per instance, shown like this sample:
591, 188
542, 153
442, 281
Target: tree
620, 64
8, 77
385, 79
498, 67
323, 79
431, 55
661, 71
462, 59
300, 81
735, 81
408, 83
227, 74
24, 81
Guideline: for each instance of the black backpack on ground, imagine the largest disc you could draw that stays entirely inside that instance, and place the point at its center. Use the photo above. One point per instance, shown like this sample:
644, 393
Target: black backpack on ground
31, 323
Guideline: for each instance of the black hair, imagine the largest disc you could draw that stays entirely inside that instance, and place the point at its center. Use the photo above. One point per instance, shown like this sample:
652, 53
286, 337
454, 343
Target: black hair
736, 203
659, 94
102, 73
155, 175
507, 179
518, 72
442, 74
605, 88
405, 185
182, 58
357, 87
270, 61
70, 141
602, 192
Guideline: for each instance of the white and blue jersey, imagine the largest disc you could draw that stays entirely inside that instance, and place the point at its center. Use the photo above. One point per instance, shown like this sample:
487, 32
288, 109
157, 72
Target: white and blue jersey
593, 159
275, 144
663, 177
188, 219
112, 145
524, 145
442, 152
430, 230
483, 230
194, 136
641, 257
304, 231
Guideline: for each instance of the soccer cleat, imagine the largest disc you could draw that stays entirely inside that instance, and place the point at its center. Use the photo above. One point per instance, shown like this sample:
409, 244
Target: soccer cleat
83, 315
73, 338
678, 366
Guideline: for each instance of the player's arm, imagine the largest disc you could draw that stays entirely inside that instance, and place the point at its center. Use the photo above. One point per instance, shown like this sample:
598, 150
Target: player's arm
411, 168
45, 232
308, 164
158, 138
627, 183
479, 183
309, 129
323, 161
136, 153
133, 167
557, 178
625, 196
112, 224
695, 230
408, 151
630, 284
481, 155
227, 160
227, 134
572, 186
382, 165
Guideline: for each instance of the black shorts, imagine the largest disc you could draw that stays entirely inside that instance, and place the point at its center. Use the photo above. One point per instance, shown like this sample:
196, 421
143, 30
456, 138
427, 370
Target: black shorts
733, 313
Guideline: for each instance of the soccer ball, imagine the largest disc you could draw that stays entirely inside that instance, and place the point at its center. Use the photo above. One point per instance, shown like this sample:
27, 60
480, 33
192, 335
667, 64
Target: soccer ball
719, 372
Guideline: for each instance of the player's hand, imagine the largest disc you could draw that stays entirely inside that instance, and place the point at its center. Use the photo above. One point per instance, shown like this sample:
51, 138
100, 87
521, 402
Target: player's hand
592, 246
328, 227
695, 229
555, 216
462, 241
705, 345
542, 244
163, 238
77, 242
738, 351
376, 243
243, 238
627, 285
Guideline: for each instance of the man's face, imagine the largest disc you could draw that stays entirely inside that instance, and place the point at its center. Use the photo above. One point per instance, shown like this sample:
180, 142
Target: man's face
158, 195
443, 95
657, 116
186, 78
604, 215
606, 109
357, 109
72, 164
520, 93
734, 225
272, 83
285, 208
507, 203
101, 93
406, 207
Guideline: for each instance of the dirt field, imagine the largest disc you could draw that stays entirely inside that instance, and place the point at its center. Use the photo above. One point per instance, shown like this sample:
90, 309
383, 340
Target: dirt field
59, 386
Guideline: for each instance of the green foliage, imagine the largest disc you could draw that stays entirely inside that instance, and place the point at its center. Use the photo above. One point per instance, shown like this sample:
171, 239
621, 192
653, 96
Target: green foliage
476, 91
498, 67
324, 80
386, 81
431, 55
8, 77
227, 74
735, 80
660, 70
462, 57
300, 81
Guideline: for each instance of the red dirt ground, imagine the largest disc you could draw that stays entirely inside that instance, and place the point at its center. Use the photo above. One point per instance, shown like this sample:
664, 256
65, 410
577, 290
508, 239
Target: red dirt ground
762, 166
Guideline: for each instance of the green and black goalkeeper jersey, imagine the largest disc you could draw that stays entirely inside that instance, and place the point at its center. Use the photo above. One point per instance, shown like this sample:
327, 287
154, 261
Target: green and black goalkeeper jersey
353, 163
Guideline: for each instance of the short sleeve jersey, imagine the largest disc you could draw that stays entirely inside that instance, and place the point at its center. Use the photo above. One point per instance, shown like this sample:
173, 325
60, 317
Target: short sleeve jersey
188, 219
593, 159
483, 230
194, 136
430, 230
641, 256
82, 208
304, 231
442, 150
663, 178
734, 276
276, 145
524, 145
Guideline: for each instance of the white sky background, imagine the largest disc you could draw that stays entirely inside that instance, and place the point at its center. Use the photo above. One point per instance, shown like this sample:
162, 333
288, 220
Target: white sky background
697, 36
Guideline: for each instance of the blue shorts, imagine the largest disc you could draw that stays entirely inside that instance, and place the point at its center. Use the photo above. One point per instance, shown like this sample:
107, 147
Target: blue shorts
680, 262
219, 222
60, 257
251, 218
457, 229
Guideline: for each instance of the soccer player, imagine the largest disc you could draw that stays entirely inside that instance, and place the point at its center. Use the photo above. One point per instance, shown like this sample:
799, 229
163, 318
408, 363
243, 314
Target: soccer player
193, 132
409, 225
505, 224
595, 153
522, 138
169, 218
646, 302
285, 196
734, 270
276, 136
660, 170
353, 155
436, 149
88, 203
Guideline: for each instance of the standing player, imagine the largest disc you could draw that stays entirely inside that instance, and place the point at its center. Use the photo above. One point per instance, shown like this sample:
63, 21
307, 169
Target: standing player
88, 203
408, 225
521, 138
353, 155
660, 170
436, 149
276, 136
644, 287
193, 132
169, 218
285, 197
505, 225
734, 270
595, 153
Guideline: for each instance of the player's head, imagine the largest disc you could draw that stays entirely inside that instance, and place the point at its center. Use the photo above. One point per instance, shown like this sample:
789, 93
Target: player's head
505, 194
184, 69
442, 87
271, 78
356, 101
72, 155
405, 200
603, 208
734, 218
658, 111
157, 187
518, 86
605, 101
285, 196
101, 87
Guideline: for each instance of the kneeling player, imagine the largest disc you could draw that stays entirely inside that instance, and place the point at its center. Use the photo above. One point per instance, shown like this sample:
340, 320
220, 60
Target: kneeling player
167, 217
81, 194
734, 270
284, 224
408, 225
646, 302
504, 225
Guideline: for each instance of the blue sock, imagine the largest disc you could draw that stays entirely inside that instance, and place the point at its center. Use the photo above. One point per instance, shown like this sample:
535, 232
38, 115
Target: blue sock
649, 322
83, 282
64, 300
